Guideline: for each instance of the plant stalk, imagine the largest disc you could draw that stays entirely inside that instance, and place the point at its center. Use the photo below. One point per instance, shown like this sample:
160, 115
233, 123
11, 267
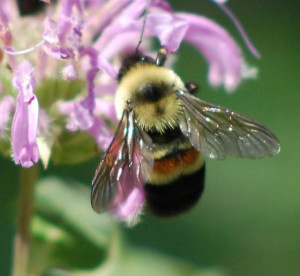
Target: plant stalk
26, 209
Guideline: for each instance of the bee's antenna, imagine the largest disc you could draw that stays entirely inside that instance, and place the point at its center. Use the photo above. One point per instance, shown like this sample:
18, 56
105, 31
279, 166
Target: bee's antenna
142, 32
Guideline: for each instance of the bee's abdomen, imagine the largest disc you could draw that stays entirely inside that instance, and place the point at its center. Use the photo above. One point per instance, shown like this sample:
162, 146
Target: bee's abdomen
178, 183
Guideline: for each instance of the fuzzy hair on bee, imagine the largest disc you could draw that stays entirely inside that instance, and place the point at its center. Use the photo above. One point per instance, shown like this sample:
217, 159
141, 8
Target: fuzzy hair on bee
165, 133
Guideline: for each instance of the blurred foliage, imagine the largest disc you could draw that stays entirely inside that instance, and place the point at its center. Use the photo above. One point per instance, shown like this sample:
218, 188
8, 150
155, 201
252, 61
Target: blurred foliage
247, 222
66, 147
68, 236
73, 148
51, 91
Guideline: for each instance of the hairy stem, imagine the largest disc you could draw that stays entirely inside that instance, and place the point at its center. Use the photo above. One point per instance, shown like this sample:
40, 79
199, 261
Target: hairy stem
22, 236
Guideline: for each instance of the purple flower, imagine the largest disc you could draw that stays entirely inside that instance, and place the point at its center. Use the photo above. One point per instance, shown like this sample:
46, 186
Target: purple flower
24, 126
129, 209
102, 133
226, 64
219, 49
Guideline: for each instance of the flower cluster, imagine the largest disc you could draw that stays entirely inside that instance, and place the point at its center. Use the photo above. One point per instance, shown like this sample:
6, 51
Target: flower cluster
59, 69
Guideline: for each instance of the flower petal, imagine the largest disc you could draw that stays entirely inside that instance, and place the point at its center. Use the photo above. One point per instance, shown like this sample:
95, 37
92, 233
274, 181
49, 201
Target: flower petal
130, 209
239, 27
126, 21
66, 16
24, 126
81, 112
161, 4
50, 31
106, 108
79, 115
52, 43
102, 134
104, 65
169, 29
219, 49
69, 72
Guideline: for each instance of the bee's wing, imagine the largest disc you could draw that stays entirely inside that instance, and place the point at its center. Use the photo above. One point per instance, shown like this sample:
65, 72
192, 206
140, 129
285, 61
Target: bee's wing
218, 131
126, 164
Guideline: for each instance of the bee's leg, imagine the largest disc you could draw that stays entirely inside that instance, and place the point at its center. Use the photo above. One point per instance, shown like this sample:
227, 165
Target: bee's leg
191, 87
161, 57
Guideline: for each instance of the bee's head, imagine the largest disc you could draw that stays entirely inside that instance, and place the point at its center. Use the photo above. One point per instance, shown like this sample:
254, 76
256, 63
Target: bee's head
151, 90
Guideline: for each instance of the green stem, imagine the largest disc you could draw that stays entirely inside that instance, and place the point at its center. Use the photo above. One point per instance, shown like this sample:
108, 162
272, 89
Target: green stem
22, 236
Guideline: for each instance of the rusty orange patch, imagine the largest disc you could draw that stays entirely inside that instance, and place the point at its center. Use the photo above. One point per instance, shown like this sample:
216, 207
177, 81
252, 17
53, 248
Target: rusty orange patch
173, 163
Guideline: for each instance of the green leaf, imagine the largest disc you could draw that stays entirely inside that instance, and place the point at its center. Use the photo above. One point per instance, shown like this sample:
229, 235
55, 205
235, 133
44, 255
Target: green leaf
69, 203
67, 233
54, 246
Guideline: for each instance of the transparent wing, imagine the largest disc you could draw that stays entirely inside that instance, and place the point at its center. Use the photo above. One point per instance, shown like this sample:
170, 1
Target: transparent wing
126, 164
218, 131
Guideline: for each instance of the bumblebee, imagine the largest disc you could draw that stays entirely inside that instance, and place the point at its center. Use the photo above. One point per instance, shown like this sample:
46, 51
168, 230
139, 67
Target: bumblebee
164, 133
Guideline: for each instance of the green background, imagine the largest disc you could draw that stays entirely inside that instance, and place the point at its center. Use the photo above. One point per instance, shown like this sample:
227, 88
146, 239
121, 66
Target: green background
248, 220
